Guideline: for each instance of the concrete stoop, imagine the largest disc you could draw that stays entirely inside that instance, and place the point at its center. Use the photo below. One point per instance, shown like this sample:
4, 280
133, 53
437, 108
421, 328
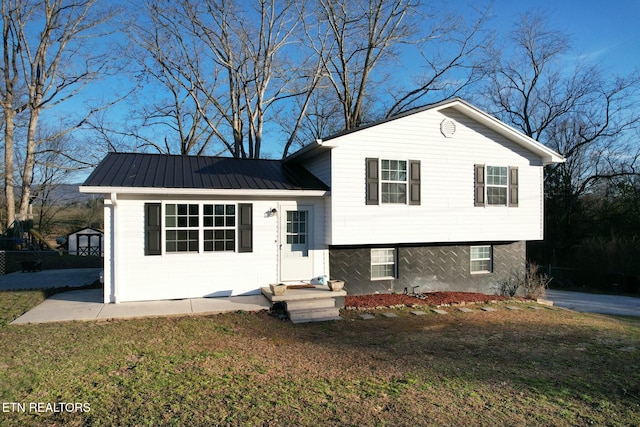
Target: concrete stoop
314, 315
313, 310
316, 304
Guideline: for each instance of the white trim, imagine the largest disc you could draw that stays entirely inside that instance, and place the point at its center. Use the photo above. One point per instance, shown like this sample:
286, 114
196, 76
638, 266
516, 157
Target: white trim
541, 211
204, 191
548, 155
201, 228
487, 185
308, 151
286, 273
382, 181
114, 270
165, 229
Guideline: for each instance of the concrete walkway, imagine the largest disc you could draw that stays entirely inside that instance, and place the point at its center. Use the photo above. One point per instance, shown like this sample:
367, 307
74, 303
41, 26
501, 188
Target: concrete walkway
87, 305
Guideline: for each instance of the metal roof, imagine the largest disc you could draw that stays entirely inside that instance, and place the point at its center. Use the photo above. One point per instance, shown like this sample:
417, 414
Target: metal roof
140, 170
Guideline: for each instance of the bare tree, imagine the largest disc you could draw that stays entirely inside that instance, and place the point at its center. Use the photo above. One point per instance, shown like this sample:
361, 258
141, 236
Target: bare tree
224, 66
46, 52
54, 164
451, 57
10, 94
363, 44
169, 60
574, 109
529, 85
357, 37
320, 113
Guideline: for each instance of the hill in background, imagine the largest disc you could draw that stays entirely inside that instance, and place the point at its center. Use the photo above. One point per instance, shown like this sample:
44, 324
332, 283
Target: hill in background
68, 194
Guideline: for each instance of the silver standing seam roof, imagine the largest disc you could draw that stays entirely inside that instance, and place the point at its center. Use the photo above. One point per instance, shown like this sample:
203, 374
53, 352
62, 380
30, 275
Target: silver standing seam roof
140, 170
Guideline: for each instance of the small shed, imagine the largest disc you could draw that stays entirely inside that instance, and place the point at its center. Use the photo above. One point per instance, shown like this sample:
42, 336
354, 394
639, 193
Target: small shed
86, 242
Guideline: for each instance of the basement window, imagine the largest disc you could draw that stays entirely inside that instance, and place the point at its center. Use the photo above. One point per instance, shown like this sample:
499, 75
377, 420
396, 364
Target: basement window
481, 259
383, 264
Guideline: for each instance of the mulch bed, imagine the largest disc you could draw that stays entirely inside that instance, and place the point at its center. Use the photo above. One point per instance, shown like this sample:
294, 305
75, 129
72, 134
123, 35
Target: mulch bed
431, 298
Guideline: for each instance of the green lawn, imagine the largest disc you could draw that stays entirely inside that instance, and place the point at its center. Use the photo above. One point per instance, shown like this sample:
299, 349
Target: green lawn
529, 367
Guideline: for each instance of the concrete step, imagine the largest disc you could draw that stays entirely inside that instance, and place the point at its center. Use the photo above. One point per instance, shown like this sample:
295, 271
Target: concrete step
311, 304
314, 315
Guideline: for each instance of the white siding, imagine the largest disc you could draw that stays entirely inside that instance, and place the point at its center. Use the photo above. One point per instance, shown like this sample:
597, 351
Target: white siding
320, 166
447, 212
206, 274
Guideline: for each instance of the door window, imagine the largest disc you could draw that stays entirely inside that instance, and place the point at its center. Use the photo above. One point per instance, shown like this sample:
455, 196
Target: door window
298, 230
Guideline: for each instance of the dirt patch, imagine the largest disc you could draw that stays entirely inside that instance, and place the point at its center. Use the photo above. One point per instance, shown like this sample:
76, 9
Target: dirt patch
431, 298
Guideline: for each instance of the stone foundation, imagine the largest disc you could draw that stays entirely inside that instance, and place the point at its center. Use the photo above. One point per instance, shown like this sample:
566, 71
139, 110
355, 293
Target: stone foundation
426, 268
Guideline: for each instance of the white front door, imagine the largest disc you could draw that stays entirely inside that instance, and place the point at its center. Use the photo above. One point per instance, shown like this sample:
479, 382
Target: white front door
296, 238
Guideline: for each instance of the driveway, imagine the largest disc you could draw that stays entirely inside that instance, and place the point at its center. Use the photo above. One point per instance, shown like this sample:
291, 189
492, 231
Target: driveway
595, 303
74, 277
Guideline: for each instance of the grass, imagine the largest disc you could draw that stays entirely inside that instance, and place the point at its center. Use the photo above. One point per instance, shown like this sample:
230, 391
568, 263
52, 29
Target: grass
527, 367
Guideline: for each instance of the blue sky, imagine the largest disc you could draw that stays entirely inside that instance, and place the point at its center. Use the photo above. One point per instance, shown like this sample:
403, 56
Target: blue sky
602, 31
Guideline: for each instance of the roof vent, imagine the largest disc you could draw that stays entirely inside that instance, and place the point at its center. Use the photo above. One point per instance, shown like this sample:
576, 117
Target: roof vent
448, 128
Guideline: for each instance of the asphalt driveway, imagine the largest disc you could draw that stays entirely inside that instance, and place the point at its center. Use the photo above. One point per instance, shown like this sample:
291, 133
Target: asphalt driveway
74, 278
595, 303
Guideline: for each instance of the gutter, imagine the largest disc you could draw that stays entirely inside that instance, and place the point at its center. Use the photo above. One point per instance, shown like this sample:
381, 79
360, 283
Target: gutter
208, 192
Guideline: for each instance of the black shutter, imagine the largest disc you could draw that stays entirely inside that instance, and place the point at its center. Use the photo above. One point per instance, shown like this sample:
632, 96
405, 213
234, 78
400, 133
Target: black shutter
372, 181
513, 186
245, 227
152, 229
414, 182
479, 185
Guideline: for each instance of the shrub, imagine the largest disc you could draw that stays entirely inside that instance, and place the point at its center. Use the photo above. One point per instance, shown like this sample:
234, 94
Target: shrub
509, 286
535, 284
532, 284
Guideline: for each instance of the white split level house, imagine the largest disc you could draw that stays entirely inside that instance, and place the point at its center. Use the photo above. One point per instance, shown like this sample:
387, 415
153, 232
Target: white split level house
439, 198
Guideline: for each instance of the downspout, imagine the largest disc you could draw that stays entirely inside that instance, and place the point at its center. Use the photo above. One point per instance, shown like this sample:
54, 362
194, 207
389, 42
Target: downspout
113, 203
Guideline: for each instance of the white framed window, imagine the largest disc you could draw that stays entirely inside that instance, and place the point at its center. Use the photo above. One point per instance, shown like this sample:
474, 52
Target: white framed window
197, 227
383, 263
219, 222
497, 185
182, 227
393, 180
481, 259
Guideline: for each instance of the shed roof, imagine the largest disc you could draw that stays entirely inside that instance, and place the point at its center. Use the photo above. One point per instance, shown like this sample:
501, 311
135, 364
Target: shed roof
140, 170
